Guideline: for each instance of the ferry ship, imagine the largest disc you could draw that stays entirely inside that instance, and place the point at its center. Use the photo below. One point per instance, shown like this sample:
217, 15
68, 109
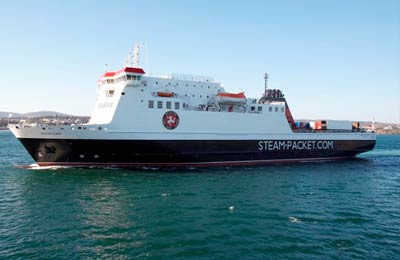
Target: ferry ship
187, 121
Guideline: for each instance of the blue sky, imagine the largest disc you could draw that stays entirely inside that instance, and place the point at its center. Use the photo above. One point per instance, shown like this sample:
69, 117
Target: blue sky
332, 59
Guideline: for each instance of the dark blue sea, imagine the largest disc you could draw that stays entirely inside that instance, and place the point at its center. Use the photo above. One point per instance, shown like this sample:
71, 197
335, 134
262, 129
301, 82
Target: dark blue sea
331, 210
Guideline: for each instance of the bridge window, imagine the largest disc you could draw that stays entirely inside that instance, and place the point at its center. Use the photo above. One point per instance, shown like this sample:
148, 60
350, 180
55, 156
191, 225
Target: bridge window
151, 104
276, 109
159, 104
176, 105
253, 108
259, 109
270, 109
282, 109
168, 105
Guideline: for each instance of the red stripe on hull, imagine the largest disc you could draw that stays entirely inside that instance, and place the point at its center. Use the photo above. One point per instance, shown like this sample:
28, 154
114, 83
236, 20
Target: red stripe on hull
190, 164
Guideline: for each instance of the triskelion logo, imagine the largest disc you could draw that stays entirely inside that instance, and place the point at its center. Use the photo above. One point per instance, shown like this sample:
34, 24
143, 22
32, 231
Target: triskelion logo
170, 120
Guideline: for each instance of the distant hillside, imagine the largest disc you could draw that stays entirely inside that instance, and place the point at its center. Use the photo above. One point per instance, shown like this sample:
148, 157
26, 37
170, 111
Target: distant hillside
33, 114
5, 114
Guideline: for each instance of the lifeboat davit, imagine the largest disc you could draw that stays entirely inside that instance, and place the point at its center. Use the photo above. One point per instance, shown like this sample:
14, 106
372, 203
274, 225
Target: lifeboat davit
231, 98
165, 94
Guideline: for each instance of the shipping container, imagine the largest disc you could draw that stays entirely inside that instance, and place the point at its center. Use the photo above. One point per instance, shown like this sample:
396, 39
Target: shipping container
338, 125
356, 125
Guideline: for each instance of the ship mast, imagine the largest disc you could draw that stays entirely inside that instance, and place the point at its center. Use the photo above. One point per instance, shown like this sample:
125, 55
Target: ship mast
133, 56
136, 55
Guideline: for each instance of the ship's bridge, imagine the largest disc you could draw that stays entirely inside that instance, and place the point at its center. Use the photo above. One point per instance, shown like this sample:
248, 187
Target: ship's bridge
129, 74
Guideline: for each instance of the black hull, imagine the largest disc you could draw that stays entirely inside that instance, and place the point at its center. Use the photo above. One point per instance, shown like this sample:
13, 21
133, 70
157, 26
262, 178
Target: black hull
187, 153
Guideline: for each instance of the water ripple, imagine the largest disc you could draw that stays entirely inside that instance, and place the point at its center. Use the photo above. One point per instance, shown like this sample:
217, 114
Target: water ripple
335, 210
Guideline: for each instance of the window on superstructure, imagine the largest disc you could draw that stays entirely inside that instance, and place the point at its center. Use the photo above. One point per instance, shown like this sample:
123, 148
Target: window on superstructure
176, 105
276, 109
129, 77
168, 105
259, 109
270, 109
109, 93
253, 108
159, 104
282, 109
151, 104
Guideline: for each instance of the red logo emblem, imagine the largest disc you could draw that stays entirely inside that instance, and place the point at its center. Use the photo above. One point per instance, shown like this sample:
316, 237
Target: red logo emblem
170, 120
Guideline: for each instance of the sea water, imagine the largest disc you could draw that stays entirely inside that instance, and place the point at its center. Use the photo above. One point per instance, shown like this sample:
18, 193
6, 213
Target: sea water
332, 210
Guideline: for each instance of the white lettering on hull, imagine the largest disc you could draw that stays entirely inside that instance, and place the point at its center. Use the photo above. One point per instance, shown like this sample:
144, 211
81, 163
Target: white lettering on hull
295, 145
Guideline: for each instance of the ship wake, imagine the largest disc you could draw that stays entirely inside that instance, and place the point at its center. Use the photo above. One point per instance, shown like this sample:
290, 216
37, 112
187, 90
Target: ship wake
35, 166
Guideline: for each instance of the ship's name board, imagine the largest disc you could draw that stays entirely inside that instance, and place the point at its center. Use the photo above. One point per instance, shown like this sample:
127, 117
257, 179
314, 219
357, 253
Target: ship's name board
295, 145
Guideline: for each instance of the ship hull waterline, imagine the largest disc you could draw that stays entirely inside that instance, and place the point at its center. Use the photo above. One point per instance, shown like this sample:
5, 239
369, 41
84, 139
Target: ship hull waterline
187, 153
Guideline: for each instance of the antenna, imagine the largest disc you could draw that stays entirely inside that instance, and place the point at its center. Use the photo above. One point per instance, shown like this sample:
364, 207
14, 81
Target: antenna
136, 54
266, 82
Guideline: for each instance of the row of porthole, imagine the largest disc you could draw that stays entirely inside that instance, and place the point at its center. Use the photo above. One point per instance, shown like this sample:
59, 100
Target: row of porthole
195, 96
84, 128
253, 108
96, 156
187, 85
